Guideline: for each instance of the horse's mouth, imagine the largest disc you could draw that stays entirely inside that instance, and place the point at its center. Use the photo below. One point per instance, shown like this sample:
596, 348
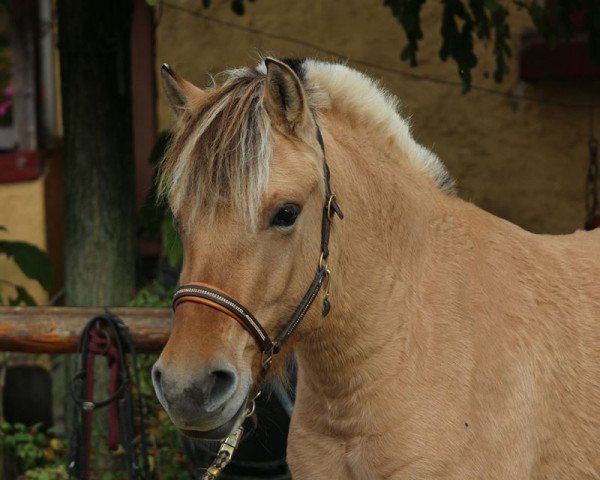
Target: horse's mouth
220, 432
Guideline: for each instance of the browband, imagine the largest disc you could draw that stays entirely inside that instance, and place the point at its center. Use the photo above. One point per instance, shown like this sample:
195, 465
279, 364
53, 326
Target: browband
216, 299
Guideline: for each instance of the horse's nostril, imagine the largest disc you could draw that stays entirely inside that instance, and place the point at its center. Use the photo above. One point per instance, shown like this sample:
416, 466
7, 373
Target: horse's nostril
156, 376
157, 381
223, 379
222, 385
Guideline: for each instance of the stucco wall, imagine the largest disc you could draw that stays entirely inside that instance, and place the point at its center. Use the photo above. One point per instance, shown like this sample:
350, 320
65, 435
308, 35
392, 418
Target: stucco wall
22, 213
522, 160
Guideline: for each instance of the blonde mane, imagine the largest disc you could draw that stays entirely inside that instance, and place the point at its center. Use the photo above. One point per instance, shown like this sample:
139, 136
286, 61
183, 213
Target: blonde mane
221, 150
358, 95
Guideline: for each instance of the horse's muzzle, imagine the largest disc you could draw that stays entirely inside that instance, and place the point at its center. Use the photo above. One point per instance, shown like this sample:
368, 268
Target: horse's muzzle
205, 404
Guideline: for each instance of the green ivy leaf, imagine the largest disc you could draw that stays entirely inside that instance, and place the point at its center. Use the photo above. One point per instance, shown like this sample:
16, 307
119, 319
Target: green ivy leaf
502, 50
482, 22
238, 7
32, 261
491, 5
457, 39
408, 12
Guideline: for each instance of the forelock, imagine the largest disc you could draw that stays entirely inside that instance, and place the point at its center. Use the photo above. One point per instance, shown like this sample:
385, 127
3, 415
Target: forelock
221, 150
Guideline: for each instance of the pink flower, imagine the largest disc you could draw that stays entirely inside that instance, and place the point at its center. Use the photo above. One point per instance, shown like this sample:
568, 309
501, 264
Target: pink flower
5, 107
9, 91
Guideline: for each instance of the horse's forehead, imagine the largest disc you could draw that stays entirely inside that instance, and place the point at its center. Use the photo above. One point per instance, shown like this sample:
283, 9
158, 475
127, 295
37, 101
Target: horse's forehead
222, 237
293, 163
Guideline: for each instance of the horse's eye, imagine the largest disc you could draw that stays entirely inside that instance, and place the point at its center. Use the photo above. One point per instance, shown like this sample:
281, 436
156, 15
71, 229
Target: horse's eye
286, 215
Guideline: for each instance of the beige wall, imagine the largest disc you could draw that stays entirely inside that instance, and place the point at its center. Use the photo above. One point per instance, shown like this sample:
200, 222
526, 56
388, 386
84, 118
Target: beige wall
22, 213
519, 159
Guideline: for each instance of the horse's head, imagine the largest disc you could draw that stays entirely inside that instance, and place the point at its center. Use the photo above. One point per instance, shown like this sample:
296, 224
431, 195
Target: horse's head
245, 179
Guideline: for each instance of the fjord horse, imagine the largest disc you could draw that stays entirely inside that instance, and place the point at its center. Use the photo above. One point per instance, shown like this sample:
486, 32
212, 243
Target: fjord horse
456, 344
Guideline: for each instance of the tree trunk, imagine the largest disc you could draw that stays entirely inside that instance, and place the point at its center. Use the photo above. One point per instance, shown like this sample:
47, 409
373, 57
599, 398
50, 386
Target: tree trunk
94, 42
99, 166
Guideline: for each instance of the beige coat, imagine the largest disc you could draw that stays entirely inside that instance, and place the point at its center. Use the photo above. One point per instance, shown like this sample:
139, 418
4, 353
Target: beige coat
458, 346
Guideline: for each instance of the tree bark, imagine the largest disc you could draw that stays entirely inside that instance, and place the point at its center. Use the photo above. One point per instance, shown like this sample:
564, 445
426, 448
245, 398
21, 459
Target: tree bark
94, 43
99, 167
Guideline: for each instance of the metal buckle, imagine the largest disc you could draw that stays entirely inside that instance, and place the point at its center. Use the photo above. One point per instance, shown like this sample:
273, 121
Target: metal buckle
232, 441
226, 451
267, 359
323, 267
326, 283
230, 445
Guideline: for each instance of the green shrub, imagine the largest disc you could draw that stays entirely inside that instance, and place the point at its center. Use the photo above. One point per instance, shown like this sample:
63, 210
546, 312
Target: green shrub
39, 454
33, 262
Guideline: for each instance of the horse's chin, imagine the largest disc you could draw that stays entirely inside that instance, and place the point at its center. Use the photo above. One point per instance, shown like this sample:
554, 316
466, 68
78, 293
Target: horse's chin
220, 432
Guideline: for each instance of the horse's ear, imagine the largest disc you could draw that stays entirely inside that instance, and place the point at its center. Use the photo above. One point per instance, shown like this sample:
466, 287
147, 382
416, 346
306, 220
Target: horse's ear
284, 94
179, 91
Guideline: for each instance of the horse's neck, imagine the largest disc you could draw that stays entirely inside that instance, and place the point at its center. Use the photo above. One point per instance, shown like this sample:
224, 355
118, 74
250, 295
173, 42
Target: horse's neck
377, 255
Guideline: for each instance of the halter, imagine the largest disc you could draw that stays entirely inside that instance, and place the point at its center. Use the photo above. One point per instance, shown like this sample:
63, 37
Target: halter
212, 297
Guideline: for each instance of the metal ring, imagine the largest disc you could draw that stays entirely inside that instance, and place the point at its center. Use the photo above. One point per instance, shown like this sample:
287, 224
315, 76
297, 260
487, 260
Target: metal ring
330, 211
257, 395
250, 410
322, 262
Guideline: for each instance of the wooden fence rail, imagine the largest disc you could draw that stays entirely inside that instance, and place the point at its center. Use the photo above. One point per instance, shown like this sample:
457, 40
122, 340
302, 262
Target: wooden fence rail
57, 329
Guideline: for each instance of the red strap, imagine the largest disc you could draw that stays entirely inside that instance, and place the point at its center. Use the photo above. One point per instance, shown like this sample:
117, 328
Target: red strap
100, 344
88, 415
114, 363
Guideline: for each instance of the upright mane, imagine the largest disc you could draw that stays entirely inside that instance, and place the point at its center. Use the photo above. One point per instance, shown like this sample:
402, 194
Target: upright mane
221, 150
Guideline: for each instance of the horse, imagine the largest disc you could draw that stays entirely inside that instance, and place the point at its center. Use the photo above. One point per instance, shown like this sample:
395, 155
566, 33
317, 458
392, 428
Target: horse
439, 341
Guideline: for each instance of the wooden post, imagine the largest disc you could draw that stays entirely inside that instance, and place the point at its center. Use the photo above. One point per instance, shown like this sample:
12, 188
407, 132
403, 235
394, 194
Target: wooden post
57, 329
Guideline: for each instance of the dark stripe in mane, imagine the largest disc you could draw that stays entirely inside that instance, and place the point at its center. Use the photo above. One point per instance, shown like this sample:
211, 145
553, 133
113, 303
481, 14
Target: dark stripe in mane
297, 65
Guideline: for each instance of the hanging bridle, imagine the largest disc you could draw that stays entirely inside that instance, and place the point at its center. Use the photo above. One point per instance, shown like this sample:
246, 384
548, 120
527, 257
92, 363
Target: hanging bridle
216, 299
